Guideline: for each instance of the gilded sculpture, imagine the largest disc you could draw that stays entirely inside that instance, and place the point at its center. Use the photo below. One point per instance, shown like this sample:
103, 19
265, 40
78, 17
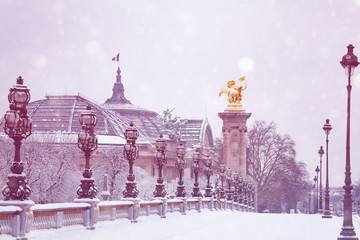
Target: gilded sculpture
233, 89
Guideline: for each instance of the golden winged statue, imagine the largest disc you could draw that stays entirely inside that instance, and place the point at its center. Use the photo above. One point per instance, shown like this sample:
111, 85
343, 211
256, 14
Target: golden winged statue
233, 90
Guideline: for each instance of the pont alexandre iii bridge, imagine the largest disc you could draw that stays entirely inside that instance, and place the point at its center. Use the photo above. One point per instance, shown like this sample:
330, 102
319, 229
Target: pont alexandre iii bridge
19, 215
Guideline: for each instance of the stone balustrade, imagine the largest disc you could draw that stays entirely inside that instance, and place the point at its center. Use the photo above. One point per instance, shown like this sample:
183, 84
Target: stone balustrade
57, 215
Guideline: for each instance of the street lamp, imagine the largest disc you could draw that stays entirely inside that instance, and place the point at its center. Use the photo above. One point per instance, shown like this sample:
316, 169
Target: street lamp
316, 196
327, 128
236, 186
245, 192
349, 62
317, 170
222, 179
180, 165
160, 160
131, 153
251, 201
17, 127
321, 153
240, 190
87, 142
208, 173
229, 181
196, 169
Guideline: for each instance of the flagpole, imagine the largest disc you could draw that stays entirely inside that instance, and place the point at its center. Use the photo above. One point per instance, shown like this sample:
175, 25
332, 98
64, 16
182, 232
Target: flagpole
119, 58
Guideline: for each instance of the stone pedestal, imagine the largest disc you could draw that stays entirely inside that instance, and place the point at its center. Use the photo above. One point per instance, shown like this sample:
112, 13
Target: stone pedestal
234, 133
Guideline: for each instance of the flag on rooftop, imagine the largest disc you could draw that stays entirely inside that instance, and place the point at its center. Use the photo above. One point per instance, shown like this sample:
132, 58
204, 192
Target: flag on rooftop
116, 58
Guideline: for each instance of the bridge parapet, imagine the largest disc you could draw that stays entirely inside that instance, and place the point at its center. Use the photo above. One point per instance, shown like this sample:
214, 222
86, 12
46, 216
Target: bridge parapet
57, 215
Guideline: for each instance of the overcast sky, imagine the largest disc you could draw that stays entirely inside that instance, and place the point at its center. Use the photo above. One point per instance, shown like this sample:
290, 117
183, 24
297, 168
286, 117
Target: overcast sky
179, 54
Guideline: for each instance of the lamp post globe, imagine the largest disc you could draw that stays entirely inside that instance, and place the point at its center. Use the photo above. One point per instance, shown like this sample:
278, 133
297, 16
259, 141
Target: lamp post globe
349, 62
18, 127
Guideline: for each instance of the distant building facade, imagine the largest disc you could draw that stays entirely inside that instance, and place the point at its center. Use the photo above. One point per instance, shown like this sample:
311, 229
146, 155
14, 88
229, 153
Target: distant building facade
57, 117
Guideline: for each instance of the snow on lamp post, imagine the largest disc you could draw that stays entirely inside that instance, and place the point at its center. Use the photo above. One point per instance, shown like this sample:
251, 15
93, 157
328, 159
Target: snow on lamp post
180, 165
208, 173
160, 160
196, 169
327, 128
349, 62
131, 153
87, 142
17, 127
222, 179
321, 153
229, 181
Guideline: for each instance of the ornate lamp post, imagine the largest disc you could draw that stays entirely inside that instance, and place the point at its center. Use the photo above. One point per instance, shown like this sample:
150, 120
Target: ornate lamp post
321, 153
131, 153
208, 173
349, 62
196, 169
327, 128
240, 189
160, 160
251, 195
180, 165
17, 127
317, 170
87, 142
316, 196
236, 186
229, 181
244, 192
222, 179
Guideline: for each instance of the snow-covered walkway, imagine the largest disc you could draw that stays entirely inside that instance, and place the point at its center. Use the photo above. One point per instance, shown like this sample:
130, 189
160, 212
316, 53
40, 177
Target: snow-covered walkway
207, 225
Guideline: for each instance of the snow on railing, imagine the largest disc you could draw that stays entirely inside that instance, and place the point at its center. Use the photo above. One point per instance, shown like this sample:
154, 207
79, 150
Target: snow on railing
9, 219
111, 210
57, 215
148, 208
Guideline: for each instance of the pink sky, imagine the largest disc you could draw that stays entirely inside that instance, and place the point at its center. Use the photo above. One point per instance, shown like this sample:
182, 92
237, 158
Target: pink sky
179, 54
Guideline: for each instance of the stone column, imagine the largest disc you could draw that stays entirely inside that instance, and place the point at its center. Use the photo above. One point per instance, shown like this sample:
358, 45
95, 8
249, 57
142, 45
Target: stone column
234, 133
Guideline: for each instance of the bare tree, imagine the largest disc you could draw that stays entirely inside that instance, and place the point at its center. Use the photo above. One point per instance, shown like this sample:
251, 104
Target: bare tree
271, 160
